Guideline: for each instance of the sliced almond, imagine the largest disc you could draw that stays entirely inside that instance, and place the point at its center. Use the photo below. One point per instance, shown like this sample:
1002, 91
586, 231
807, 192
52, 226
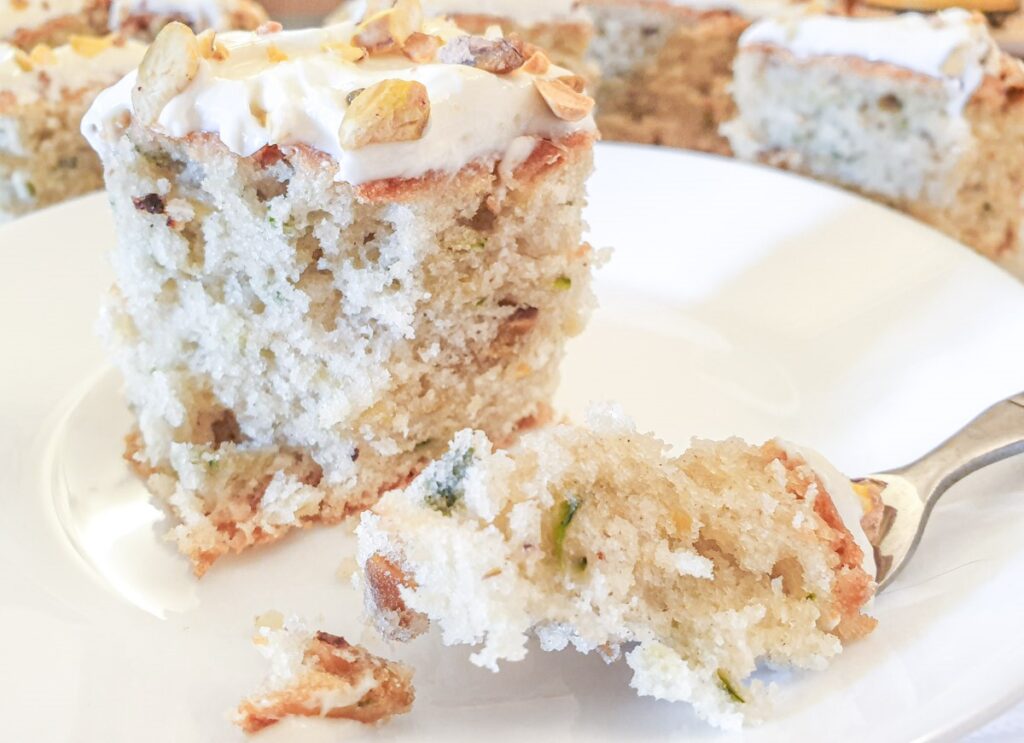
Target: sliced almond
564, 102
169, 65
421, 48
499, 56
23, 60
537, 64
275, 55
388, 111
205, 42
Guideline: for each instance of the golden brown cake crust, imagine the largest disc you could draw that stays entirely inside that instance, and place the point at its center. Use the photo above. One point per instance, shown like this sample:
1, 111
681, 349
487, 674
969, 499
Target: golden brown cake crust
332, 666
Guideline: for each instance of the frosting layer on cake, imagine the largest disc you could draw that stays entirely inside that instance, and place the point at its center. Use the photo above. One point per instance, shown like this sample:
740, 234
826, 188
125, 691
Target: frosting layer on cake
50, 73
953, 46
295, 87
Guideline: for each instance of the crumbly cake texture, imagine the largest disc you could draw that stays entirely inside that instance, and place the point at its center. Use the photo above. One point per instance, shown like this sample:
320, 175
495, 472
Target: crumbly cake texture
702, 565
27, 23
43, 95
665, 72
293, 343
937, 144
317, 674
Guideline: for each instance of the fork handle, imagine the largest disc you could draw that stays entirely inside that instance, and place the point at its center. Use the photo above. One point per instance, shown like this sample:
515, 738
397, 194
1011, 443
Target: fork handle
994, 435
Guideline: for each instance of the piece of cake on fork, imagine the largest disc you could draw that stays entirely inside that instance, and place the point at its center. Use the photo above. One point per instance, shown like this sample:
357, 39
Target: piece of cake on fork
562, 28
26, 23
336, 247
698, 566
922, 112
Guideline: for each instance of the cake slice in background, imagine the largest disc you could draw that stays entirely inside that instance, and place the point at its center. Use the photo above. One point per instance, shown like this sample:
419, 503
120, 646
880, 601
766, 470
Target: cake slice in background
55, 57
922, 112
665, 71
562, 28
699, 566
27, 23
330, 258
43, 96
317, 674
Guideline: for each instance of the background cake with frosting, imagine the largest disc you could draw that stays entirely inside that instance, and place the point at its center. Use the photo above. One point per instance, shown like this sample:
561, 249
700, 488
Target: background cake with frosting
336, 247
562, 28
923, 112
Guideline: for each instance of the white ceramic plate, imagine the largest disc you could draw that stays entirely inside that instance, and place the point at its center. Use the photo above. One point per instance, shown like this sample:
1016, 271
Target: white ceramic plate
739, 301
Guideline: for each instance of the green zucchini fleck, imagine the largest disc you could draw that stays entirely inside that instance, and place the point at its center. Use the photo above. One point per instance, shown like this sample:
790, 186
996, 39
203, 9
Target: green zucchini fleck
565, 515
729, 688
446, 492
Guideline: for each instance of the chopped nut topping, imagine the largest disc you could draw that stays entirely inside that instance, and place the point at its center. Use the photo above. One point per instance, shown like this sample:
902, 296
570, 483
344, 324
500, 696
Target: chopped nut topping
421, 48
23, 60
275, 55
564, 102
537, 64
575, 82
492, 55
269, 27
346, 51
387, 30
42, 54
151, 203
169, 65
388, 111
90, 46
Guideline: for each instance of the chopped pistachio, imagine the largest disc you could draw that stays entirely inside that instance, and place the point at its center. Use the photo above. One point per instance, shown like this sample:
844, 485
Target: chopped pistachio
447, 492
563, 283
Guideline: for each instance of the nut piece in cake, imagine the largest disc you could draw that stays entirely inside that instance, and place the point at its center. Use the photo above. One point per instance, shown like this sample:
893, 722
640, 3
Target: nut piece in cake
922, 112
305, 312
562, 28
698, 566
317, 674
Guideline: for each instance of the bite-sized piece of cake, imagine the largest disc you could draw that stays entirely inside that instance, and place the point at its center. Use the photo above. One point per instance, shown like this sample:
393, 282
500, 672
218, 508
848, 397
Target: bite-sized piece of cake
666, 67
561, 28
924, 113
43, 96
26, 23
702, 564
317, 674
330, 258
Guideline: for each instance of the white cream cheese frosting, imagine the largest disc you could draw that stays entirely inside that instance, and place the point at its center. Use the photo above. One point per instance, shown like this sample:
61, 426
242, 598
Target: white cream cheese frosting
49, 73
249, 101
840, 490
522, 12
953, 45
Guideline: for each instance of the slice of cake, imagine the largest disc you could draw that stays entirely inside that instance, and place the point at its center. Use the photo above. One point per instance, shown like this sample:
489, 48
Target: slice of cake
665, 70
702, 565
331, 257
317, 674
26, 23
560, 27
924, 113
43, 96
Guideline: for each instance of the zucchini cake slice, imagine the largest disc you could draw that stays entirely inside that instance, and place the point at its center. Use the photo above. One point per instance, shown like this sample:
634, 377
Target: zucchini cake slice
331, 258
700, 566
921, 112
26, 23
43, 95
317, 674
666, 66
561, 28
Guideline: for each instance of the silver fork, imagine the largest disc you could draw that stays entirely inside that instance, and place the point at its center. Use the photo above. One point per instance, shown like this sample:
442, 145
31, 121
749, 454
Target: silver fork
909, 493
